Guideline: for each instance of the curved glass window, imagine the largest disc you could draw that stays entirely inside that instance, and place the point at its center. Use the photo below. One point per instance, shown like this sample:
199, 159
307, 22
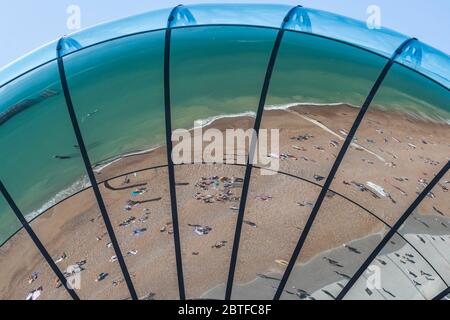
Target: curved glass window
329, 176
380, 40
265, 15
427, 60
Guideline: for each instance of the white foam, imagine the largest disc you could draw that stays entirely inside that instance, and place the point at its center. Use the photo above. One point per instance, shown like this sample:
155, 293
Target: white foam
77, 186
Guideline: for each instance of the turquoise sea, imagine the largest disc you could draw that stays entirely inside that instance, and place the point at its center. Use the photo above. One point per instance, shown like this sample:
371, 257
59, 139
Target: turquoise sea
117, 91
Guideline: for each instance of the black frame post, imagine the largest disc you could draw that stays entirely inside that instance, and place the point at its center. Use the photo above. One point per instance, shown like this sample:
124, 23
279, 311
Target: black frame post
90, 172
37, 242
253, 142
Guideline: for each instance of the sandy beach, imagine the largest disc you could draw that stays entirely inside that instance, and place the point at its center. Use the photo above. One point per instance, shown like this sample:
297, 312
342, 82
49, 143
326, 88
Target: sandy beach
390, 162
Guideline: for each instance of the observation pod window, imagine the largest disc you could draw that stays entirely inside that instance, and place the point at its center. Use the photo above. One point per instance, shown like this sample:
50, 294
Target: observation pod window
263, 15
429, 61
383, 41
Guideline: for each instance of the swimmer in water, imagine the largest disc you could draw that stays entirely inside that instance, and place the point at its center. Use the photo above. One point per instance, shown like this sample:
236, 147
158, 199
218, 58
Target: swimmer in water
62, 157
90, 114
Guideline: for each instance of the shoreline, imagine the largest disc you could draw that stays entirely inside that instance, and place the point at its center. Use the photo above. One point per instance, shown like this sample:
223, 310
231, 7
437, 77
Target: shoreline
100, 166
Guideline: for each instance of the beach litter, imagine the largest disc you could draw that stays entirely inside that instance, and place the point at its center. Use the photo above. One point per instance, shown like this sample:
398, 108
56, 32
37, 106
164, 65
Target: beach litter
334, 143
304, 137
101, 277
127, 222
168, 227
380, 190
318, 178
263, 197
438, 211
219, 244
299, 148
281, 262
332, 262
352, 249
305, 204
35, 294
282, 156
62, 258
139, 231
200, 230
251, 224
32, 278
139, 192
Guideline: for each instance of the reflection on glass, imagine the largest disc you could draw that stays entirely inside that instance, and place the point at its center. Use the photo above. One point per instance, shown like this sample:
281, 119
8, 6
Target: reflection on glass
381, 40
31, 60
147, 21
398, 272
427, 60
266, 15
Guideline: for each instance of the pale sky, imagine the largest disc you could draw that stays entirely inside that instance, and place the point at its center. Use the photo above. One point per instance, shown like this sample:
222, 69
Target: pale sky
28, 24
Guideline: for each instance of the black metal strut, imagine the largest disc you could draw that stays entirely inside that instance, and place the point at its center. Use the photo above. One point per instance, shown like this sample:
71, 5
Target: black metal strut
90, 172
37, 242
253, 142
183, 13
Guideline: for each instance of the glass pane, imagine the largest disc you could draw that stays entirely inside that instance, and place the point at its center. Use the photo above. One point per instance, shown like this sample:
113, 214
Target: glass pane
147, 21
399, 146
139, 207
315, 93
381, 40
340, 240
277, 209
430, 61
398, 272
313, 98
428, 228
267, 15
31, 60
23, 271
46, 176
34, 125
25, 275
216, 81
117, 91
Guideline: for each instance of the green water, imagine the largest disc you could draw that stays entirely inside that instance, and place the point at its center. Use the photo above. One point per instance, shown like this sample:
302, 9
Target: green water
117, 91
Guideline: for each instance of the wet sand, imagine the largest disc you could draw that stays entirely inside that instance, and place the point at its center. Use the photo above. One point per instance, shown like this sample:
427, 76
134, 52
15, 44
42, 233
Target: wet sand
392, 151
